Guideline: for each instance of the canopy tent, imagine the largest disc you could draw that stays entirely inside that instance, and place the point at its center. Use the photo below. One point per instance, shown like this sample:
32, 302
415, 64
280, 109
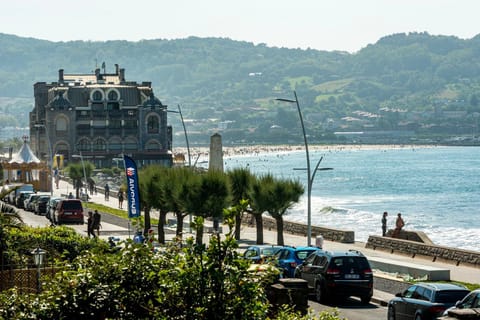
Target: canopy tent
25, 167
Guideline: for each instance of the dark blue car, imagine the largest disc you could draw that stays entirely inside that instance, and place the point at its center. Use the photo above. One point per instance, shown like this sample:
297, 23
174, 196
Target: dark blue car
290, 257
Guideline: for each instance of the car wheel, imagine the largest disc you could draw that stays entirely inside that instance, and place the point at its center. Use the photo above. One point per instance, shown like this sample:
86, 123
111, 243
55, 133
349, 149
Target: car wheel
366, 299
391, 313
319, 292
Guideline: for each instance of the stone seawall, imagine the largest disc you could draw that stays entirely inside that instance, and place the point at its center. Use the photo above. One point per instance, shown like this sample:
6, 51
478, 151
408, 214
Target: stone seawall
329, 234
413, 248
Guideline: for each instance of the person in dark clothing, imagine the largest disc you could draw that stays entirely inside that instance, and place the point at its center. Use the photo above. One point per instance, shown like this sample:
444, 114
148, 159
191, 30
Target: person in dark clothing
384, 223
90, 225
97, 222
107, 192
120, 199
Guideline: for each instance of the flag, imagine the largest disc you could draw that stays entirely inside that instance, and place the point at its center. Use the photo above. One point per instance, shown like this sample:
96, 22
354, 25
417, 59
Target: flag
133, 195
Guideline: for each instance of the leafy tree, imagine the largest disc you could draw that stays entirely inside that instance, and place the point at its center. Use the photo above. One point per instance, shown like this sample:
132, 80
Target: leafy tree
240, 180
75, 171
260, 202
149, 188
282, 195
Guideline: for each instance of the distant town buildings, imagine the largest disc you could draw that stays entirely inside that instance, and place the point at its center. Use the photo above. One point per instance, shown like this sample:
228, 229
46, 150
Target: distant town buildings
100, 116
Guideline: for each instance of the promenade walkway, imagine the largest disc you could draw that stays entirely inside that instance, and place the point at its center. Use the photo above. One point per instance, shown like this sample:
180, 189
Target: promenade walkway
119, 227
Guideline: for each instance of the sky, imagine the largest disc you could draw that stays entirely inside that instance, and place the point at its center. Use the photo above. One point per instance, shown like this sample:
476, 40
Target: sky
344, 25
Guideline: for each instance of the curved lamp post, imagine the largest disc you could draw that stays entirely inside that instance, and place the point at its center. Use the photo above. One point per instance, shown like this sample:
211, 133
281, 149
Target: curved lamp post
38, 259
50, 154
83, 166
310, 174
185, 131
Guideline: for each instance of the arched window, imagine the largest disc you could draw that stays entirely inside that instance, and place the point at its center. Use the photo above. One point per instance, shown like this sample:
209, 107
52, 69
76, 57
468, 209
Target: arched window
99, 145
115, 144
152, 145
152, 124
84, 145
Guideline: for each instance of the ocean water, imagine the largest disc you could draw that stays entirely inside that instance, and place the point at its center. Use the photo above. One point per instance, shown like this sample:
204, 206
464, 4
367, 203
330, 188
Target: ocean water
437, 189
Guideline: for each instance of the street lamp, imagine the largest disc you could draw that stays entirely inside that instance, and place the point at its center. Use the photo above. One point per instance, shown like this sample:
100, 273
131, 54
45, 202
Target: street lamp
185, 131
83, 165
310, 174
38, 258
49, 161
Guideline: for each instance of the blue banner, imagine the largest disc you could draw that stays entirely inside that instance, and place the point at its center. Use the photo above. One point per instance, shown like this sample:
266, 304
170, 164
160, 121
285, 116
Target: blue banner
133, 195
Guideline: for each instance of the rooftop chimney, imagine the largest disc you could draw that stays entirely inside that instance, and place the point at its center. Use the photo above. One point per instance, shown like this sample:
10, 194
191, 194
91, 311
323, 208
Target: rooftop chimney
116, 69
60, 76
122, 75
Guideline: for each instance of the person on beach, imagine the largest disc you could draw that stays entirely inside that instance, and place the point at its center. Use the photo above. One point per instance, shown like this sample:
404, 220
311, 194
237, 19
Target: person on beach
399, 224
384, 223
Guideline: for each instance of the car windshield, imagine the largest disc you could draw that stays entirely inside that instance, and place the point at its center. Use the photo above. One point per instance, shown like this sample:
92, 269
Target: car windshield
72, 205
345, 264
267, 252
303, 254
450, 296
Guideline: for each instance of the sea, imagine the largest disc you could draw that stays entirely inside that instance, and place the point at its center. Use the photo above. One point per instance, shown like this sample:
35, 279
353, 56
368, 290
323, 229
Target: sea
435, 188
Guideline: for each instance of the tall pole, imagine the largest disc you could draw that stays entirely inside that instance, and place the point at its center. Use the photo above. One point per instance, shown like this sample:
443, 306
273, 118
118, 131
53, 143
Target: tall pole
309, 179
50, 160
186, 137
84, 172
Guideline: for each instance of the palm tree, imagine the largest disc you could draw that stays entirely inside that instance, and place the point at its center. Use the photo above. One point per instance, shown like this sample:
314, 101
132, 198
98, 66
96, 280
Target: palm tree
76, 173
149, 188
207, 197
240, 185
9, 218
282, 196
260, 202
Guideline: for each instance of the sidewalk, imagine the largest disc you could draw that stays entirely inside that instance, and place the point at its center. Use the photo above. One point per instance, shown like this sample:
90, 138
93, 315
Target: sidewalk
248, 237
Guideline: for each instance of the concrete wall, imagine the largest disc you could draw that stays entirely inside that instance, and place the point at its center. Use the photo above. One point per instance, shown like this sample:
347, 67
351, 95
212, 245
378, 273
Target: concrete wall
329, 234
413, 248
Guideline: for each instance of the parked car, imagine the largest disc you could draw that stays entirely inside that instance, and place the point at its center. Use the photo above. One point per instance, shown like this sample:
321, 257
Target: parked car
423, 301
290, 257
29, 202
261, 253
41, 205
51, 207
338, 274
470, 301
21, 198
68, 210
13, 196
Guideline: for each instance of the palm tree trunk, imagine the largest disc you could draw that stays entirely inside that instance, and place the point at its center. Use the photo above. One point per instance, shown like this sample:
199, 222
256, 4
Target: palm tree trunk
148, 223
259, 226
199, 239
279, 222
238, 225
161, 224
179, 230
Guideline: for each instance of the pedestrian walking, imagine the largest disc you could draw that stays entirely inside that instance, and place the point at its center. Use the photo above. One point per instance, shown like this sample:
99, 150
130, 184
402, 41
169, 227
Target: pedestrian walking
120, 199
399, 224
384, 223
97, 222
107, 192
90, 225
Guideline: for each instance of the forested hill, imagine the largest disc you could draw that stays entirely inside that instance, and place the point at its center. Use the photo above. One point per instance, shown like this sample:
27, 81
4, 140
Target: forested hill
412, 71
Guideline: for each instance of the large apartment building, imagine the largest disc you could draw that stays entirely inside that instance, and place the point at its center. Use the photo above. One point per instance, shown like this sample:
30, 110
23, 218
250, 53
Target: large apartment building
100, 117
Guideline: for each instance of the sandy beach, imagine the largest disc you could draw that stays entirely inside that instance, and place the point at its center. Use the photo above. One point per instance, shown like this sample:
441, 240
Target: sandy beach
203, 152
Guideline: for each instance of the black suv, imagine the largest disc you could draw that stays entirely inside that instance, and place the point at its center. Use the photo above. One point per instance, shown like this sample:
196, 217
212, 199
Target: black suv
338, 274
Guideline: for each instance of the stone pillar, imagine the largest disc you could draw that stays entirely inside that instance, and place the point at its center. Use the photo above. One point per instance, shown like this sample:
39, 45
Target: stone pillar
216, 153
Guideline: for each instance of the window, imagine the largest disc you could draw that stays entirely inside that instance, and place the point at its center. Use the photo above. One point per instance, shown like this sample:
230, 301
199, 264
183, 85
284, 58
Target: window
99, 145
97, 95
152, 124
112, 95
84, 145
61, 124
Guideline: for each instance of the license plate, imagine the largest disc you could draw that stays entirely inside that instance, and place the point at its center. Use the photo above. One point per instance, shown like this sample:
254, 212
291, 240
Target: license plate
67, 213
352, 276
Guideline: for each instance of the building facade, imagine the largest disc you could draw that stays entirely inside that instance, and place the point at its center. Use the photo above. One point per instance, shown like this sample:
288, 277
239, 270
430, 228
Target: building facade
100, 117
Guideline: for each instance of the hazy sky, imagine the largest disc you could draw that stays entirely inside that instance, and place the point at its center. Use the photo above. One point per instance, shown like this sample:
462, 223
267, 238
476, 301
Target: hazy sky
347, 25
